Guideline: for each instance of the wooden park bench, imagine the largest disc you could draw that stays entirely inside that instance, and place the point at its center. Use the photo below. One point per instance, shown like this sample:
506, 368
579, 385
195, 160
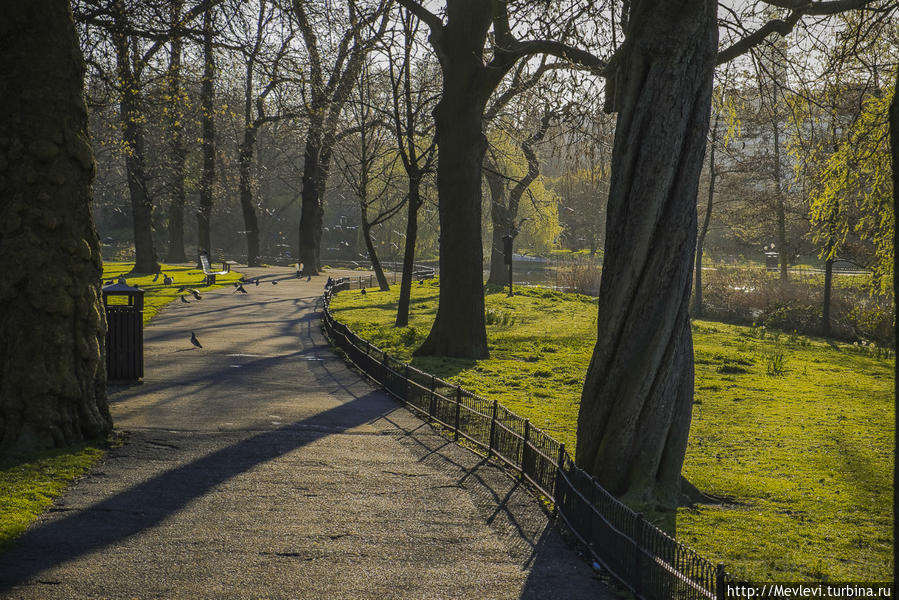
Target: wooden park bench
209, 273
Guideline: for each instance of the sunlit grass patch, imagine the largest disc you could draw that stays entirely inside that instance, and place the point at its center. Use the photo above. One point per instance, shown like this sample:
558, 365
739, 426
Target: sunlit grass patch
157, 293
28, 484
796, 432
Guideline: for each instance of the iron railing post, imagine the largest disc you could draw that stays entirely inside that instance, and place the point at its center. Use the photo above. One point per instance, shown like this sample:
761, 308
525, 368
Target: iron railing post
720, 585
492, 430
458, 412
524, 446
408, 387
560, 465
638, 530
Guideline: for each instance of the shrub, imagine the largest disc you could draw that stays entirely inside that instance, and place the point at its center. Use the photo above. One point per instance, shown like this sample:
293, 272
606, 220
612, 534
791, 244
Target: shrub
751, 295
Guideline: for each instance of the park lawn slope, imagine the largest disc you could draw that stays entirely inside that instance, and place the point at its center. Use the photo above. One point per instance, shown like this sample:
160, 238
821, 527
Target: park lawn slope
28, 484
794, 432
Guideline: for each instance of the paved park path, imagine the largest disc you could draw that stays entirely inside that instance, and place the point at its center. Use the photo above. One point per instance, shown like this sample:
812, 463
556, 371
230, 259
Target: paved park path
260, 466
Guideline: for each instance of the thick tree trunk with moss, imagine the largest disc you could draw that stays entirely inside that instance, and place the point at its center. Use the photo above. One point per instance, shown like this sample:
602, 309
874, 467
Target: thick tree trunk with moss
636, 405
52, 367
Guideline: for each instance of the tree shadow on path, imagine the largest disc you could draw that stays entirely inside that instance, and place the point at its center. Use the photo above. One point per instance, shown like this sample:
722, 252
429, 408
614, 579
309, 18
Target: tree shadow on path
57, 540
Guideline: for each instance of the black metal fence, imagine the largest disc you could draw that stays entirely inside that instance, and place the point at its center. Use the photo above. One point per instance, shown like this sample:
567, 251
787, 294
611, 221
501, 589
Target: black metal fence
364, 281
651, 563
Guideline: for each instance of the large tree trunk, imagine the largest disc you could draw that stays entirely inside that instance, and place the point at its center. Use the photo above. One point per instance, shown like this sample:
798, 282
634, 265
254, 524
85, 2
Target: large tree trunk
636, 405
52, 367
207, 102
132, 135
459, 329
402, 312
176, 252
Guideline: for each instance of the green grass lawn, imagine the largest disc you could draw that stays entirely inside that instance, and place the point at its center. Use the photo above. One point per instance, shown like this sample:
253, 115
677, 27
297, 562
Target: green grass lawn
796, 432
29, 483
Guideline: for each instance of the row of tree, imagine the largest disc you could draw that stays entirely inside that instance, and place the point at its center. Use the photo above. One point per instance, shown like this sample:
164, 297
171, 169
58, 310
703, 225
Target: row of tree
424, 86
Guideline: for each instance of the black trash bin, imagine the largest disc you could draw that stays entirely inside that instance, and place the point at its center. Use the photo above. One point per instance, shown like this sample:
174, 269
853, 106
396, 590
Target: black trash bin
125, 332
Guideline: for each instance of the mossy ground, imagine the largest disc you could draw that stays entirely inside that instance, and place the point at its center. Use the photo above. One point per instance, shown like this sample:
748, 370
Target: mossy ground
29, 483
795, 432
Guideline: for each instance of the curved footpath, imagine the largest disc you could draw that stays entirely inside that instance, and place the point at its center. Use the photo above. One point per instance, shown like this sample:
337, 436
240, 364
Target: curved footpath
260, 466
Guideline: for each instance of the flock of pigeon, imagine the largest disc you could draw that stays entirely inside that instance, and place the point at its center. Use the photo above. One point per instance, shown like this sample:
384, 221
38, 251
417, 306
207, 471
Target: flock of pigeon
167, 280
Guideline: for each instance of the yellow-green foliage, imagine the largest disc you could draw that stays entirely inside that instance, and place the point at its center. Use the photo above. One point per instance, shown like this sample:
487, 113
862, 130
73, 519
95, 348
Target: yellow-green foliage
804, 454
539, 205
852, 188
29, 484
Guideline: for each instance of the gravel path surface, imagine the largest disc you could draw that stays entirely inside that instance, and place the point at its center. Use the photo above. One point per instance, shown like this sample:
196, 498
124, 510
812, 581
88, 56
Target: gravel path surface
260, 466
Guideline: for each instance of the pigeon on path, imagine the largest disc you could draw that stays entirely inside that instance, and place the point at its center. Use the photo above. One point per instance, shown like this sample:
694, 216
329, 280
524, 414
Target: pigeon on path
195, 294
309, 278
256, 281
194, 340
274, 282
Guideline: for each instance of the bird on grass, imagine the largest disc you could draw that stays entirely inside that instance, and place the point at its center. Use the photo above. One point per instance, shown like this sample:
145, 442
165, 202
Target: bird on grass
240, 289
184, 301
194, 340
195, 294
363, 291
168, 280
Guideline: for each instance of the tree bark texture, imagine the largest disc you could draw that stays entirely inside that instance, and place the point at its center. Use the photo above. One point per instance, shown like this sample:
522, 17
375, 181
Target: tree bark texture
459, 328
52, 325
176, 253
635, 410
207, 101
145, 260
